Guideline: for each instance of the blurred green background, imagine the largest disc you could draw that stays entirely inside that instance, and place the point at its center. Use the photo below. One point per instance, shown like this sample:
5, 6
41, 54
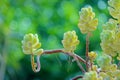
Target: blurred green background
49, 19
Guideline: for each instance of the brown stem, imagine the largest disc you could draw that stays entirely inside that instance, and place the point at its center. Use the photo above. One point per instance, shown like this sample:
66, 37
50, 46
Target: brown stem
53, 51
87, 50
75, 56
78, 63
91, 65
80, 59
76, 59
77, 77
60, 50
36, 66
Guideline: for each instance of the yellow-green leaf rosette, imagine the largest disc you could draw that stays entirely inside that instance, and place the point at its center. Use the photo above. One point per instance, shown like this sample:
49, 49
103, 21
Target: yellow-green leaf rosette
91, 75
110, 38
70, 41
92, 55
114, 9
31, 44
87, 23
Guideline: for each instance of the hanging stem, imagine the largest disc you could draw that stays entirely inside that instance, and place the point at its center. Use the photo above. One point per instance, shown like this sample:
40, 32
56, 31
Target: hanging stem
35, 66
87, 50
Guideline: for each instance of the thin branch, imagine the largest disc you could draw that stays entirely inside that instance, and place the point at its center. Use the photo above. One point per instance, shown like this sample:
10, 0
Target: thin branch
79, 58
53, 51
80, 66
76, 59
87, 50
60, 50
36, 66
75, 56
87, 44
77, 77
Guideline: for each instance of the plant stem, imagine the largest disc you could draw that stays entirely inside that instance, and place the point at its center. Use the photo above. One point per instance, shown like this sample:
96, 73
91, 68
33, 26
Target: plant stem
77, 77
38, 66
87, 50
60, 50
80, 66
35, 66
75, 56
